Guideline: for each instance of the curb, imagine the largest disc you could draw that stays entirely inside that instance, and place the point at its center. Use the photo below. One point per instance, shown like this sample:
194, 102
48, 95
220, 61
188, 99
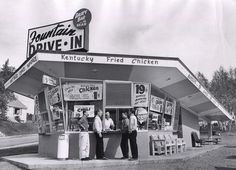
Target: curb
18, 136
48, 163
19, 146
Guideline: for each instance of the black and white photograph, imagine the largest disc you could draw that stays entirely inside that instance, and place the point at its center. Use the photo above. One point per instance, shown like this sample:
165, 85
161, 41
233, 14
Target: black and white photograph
118, 84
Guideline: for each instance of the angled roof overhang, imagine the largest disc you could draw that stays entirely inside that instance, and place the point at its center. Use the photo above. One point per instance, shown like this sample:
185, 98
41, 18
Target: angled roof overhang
16, 104
168, 74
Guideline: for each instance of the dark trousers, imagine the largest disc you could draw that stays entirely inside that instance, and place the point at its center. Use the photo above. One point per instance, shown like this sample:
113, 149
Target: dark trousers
124, 144
99, 146
133, 144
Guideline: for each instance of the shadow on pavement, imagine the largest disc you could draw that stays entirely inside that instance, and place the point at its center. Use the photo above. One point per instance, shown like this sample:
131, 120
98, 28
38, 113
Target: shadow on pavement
224, 168
231, 157
230, 147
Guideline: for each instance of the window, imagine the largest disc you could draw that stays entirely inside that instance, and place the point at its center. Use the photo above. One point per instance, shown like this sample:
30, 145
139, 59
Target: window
162, 110
75, 112
16, 111
81, 95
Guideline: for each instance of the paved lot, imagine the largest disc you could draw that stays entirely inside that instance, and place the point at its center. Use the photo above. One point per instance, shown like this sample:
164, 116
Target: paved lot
223, 158
13, 142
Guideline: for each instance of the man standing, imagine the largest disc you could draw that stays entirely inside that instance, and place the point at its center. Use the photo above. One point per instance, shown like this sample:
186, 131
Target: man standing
84, 137
133, 135
125, 136
97, 128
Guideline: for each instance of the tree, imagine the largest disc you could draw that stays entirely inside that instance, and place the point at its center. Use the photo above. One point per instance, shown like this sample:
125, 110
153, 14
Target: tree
204, 81
223, 87
5, 95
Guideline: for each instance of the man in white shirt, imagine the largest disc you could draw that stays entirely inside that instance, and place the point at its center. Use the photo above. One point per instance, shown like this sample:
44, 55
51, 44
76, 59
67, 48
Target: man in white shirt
97, 128
109, 124
133, 125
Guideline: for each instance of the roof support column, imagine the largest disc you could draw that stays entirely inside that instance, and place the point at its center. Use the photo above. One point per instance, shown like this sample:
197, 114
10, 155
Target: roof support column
209, 130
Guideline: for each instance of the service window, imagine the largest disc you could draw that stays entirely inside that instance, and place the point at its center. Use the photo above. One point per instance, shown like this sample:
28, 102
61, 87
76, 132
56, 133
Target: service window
75, 112
116, 116
80, 95
118, 98
114, 122
162, 110
156, 116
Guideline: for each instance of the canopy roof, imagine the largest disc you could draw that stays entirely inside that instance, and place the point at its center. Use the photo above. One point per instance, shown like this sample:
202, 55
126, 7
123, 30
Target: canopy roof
168, 74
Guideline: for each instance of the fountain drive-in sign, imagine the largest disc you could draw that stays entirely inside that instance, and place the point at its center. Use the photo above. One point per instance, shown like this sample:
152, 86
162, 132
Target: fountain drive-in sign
61, 36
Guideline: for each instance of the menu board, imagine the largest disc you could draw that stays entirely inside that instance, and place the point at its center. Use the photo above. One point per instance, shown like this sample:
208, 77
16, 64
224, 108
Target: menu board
141, 94
156, 104
82, 91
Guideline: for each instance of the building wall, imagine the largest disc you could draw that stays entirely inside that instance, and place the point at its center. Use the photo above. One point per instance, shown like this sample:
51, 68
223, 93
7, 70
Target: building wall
11, 114
48, 145
23, 116
189, 124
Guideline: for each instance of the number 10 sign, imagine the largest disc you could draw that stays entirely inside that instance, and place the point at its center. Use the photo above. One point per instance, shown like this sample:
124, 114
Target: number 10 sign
141, 93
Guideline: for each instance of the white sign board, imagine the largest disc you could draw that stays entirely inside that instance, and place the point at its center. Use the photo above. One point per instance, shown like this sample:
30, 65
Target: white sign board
62, 36
169, 108
156, 104
49, 80
141, 93
82, 91
78, 110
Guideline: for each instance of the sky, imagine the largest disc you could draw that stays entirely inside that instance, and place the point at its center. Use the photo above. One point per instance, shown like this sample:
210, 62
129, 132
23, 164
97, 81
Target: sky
199, 32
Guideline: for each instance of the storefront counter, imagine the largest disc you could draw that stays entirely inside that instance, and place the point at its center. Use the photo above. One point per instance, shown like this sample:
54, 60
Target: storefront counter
48, 144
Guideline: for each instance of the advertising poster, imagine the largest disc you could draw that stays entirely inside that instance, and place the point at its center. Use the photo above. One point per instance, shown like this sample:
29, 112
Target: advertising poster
56, 112
154, 117
78, 110
142, 115
169, 108
156, 104
54, 95
82, 91
141, 93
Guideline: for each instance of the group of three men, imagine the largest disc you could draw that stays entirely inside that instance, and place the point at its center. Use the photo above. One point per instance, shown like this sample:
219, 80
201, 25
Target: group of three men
129, 129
